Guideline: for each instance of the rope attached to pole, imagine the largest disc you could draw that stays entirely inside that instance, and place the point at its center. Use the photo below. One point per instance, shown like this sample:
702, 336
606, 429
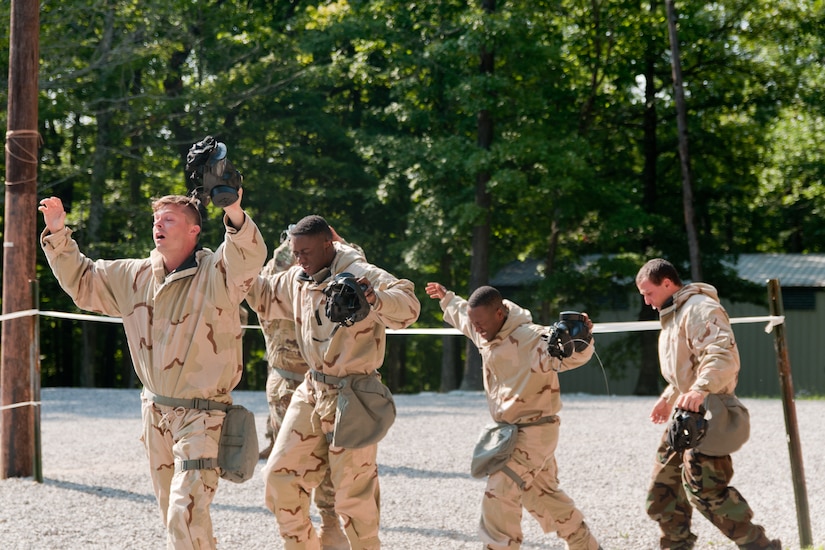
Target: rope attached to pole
22, 153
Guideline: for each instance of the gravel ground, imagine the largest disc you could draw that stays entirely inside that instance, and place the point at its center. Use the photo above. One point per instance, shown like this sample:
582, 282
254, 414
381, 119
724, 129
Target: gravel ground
97, 494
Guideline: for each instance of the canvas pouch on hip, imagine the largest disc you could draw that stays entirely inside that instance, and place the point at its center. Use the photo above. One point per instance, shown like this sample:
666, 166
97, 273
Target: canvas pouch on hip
238, 448
494, 448
728, 425
364, 412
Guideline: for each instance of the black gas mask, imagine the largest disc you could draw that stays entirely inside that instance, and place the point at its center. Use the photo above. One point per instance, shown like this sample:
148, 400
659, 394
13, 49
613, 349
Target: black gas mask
346, 303
568, 334
212, 175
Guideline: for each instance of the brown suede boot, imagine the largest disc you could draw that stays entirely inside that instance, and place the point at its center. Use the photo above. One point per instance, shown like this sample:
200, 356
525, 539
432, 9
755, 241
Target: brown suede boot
331, 534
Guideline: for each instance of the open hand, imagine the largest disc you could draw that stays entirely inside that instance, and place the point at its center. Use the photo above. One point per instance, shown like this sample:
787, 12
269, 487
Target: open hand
436, 291
53, 214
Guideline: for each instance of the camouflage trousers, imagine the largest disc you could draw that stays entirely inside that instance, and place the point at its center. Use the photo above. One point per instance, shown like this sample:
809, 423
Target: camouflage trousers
501, 507
171, 435
683, 481
279, 391
300, 461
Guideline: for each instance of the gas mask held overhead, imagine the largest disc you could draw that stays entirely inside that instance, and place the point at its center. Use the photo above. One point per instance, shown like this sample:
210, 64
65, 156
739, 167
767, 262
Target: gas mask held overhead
212, 176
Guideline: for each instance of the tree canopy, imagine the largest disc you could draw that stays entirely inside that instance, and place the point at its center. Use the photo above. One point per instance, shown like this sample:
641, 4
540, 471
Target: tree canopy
366, 112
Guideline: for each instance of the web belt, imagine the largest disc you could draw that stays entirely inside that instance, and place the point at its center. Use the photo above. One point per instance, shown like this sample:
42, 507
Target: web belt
200, 404
196, 464
197, 403
325, 378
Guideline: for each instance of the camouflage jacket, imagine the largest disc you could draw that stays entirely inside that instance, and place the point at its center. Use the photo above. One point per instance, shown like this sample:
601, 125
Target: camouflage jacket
358, 349
282, 350
520, 378
183, 328
697, 349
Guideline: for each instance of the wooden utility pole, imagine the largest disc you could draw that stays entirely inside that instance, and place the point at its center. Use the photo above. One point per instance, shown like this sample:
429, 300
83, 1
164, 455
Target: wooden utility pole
783, 364
684, 155
17, 387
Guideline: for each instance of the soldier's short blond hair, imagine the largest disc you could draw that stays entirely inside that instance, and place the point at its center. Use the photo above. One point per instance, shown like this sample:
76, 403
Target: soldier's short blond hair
191, 204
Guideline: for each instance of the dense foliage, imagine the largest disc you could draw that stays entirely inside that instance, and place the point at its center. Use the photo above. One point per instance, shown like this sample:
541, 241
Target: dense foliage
366, 112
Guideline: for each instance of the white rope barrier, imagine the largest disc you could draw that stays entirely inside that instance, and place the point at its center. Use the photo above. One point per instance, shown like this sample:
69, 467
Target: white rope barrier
598, 328
23, 404
18, 314
81, 317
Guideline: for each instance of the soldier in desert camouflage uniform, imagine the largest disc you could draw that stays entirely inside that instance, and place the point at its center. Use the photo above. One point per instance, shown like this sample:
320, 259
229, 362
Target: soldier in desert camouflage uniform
286, 365
522, 387
335, 354
699, 359
287, 370
180, 311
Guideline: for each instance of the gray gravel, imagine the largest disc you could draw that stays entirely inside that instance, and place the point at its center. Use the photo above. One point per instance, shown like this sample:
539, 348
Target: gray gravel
97, 494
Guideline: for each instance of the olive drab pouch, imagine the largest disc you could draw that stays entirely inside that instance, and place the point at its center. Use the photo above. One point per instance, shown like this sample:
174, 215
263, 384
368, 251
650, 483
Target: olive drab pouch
728, 425
238, 448
494, 448
364, 413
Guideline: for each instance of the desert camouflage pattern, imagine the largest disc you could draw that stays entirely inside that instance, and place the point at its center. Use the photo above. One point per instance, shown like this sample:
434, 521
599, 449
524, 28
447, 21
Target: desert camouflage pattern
300, 461
302, 455
184, 335
169, 436
279, 391
688, 480
501, 508
516, 394
697, 348
697, 351
282, 352
522, 385
183, 328
354, 350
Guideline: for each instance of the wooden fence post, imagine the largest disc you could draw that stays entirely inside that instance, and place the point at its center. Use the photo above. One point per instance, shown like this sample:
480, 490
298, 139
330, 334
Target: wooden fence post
783, 363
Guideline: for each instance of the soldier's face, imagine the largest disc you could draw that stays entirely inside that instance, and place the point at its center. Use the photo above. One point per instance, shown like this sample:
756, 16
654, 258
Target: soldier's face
486, 320
656, 295
172, 229
312, 252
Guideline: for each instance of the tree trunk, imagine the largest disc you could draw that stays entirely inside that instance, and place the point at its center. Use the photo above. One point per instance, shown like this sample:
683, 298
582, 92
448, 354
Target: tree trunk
450, 348
450, 362
479, 264
647, 383
393, 371
91, 355
684, 155
549, 266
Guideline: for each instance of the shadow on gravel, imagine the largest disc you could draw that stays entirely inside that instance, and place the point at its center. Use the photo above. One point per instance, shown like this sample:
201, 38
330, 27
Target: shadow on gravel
429, 532
434, 412
258, 510
120, 494
97, 490
406, 471
449, 535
